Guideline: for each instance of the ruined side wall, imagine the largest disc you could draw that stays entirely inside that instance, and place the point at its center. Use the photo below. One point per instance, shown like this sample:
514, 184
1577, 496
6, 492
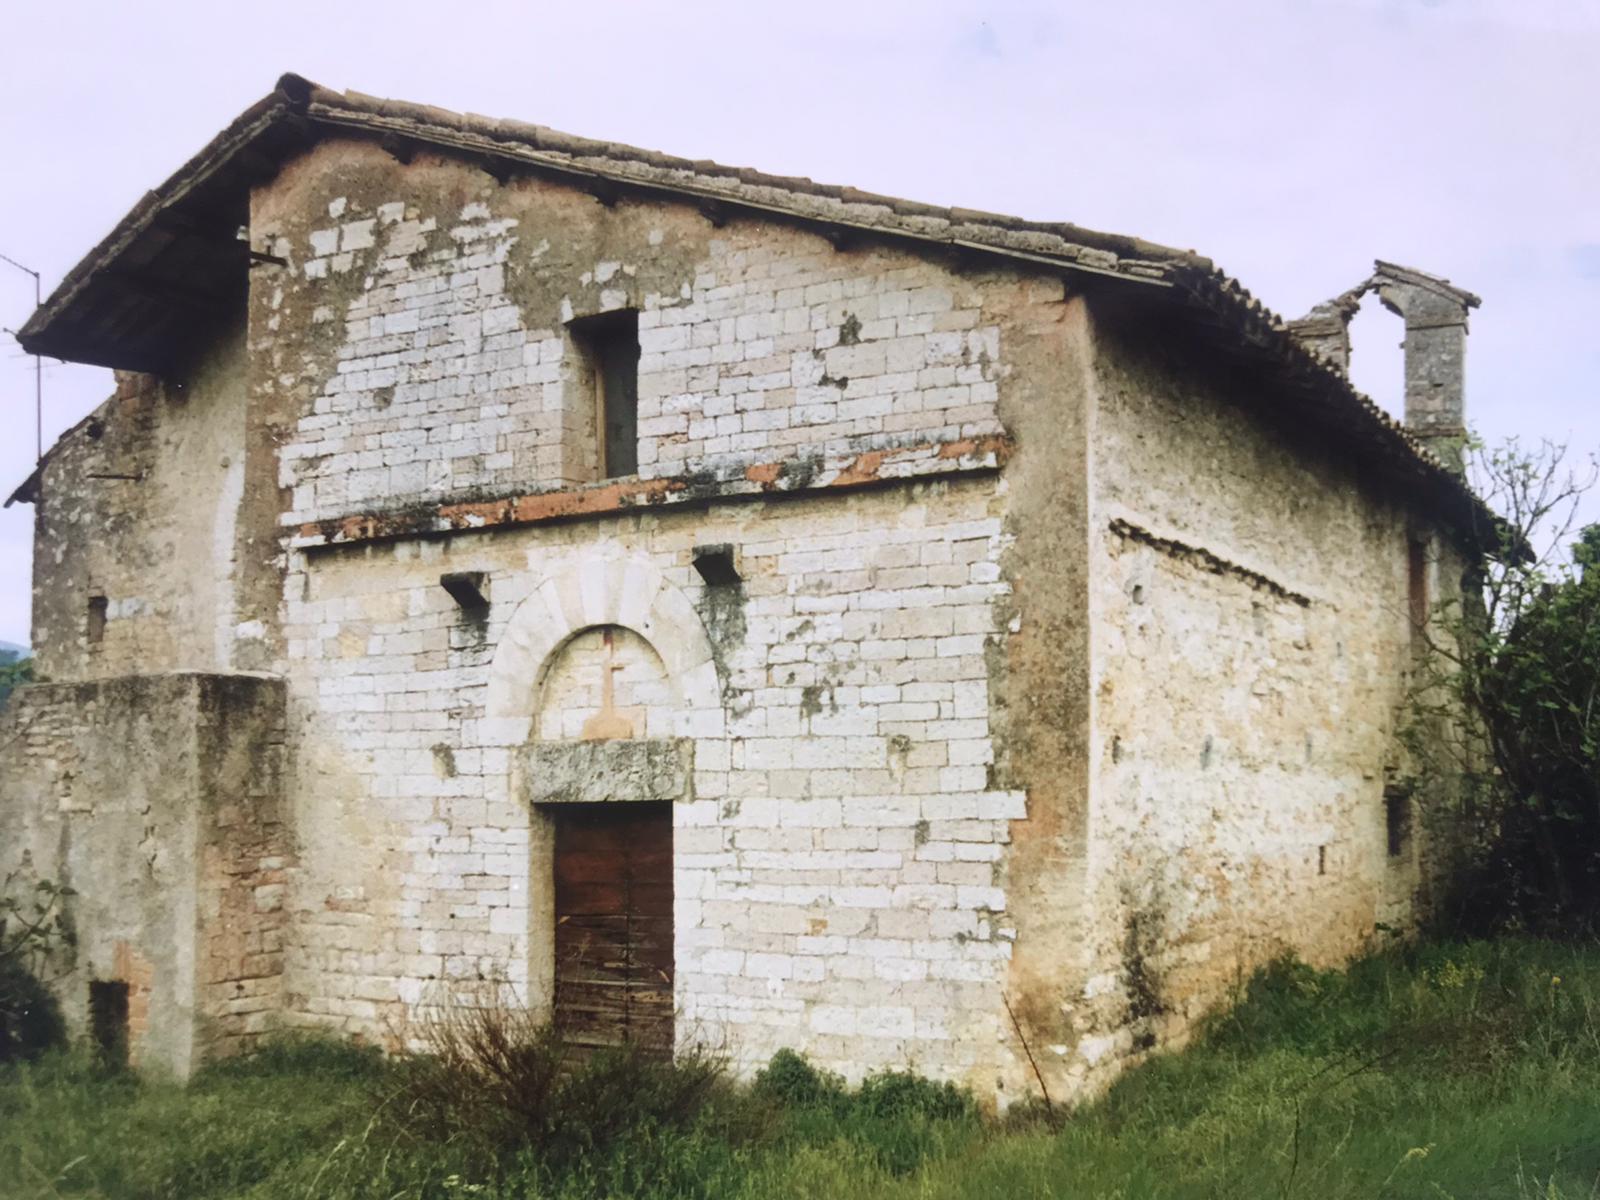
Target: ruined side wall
1251, 649
139, 504
146, 794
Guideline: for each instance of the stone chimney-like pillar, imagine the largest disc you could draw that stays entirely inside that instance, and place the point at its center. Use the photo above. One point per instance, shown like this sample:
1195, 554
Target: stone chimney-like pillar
1435, 313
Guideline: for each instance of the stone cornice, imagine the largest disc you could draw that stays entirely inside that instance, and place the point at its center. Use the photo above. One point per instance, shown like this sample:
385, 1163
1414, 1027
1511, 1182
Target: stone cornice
866, 468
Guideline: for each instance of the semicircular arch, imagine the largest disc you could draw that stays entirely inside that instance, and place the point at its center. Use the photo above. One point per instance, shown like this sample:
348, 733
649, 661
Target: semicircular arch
596, 591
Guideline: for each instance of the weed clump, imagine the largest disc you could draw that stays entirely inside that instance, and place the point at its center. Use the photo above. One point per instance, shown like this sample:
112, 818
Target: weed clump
493, 1078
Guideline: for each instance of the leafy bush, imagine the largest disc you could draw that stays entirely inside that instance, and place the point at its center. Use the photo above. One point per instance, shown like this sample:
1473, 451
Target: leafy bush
896, 1120
33, 927
30, 1018
901, 1094
790, 1078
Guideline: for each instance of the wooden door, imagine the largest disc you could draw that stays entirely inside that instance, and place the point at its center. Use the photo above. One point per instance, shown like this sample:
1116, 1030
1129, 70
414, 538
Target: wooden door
613, 894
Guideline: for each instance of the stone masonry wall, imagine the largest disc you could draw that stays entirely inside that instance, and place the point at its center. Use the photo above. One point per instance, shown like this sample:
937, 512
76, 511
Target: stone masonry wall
840, 876
442, 297
139, 505
841, 881
246, 850
1251, 649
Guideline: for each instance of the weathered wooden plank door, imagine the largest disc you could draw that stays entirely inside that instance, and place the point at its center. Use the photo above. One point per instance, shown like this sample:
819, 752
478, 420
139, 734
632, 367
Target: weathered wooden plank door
613, 894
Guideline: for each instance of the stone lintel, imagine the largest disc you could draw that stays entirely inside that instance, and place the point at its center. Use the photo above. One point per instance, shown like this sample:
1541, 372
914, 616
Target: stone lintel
607, 772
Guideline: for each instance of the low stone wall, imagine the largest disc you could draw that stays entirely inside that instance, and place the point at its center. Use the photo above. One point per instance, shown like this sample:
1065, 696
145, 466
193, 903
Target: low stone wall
156, 798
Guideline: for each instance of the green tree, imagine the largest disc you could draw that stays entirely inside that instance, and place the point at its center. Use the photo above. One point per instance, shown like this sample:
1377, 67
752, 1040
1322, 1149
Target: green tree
14, 672
1520, 658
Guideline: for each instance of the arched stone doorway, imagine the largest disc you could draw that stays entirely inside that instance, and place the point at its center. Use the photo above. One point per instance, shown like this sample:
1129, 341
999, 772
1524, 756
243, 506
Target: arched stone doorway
605, 770
601, 683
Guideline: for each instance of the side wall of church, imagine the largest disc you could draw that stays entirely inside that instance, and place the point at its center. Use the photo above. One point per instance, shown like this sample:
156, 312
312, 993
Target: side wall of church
1252, 649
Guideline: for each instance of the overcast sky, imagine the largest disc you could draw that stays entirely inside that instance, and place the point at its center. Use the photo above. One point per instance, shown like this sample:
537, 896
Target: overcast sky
1292, 141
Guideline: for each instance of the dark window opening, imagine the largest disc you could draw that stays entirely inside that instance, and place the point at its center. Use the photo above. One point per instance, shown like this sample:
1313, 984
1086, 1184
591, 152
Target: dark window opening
108, 1020
1417, 583
96, 628
1397, 821
716, 565
610, 346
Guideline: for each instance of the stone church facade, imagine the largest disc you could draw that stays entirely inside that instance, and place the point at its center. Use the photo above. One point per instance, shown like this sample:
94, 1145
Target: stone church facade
726, 608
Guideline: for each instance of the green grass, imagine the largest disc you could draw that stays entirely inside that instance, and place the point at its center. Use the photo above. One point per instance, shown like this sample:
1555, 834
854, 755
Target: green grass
1462, 1070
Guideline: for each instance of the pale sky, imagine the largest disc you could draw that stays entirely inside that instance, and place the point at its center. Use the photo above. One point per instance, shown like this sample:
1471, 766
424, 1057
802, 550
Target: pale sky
1292, 141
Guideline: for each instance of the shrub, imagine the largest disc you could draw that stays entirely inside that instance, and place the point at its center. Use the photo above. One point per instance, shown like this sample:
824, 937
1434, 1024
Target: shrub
30, 1019
901, 1094
497, 1079
791, 1079
33, 928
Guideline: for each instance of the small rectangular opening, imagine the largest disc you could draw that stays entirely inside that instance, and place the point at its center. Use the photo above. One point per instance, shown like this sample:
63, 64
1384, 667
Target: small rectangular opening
1417, 583
96, 626
108, 1020
609, 343
716, 565
1397, 821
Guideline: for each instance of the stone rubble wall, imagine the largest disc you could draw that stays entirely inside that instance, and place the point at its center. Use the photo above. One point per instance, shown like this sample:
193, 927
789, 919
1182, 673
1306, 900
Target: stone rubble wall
139, 504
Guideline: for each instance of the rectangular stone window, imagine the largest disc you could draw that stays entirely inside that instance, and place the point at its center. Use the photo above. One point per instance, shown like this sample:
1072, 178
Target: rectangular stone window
1397, 820
108, 1020
609, 344
95, 628
1417, 584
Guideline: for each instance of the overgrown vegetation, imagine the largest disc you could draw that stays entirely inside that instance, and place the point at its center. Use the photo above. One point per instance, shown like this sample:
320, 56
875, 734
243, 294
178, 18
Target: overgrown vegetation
33, 928
1461, 1070
494, 1081
1520, 655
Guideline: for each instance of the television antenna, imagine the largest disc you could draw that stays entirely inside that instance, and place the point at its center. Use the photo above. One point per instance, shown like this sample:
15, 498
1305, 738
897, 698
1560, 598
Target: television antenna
38, 365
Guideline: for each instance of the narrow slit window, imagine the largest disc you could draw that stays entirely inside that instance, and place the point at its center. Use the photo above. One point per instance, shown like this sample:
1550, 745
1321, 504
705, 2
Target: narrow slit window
610, 346
1397, 821
96, 624
1417, 583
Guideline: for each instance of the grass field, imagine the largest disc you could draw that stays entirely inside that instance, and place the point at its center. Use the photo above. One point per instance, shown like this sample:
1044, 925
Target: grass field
1461, 1070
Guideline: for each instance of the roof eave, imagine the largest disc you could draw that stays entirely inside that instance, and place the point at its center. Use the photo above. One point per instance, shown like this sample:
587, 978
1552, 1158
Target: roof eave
292, 115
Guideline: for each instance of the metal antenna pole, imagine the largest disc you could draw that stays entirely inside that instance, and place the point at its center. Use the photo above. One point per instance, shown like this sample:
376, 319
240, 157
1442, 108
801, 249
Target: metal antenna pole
38, 368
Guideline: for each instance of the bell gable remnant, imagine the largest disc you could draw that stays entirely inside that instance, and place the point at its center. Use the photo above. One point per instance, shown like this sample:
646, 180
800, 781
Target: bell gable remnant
722, 605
